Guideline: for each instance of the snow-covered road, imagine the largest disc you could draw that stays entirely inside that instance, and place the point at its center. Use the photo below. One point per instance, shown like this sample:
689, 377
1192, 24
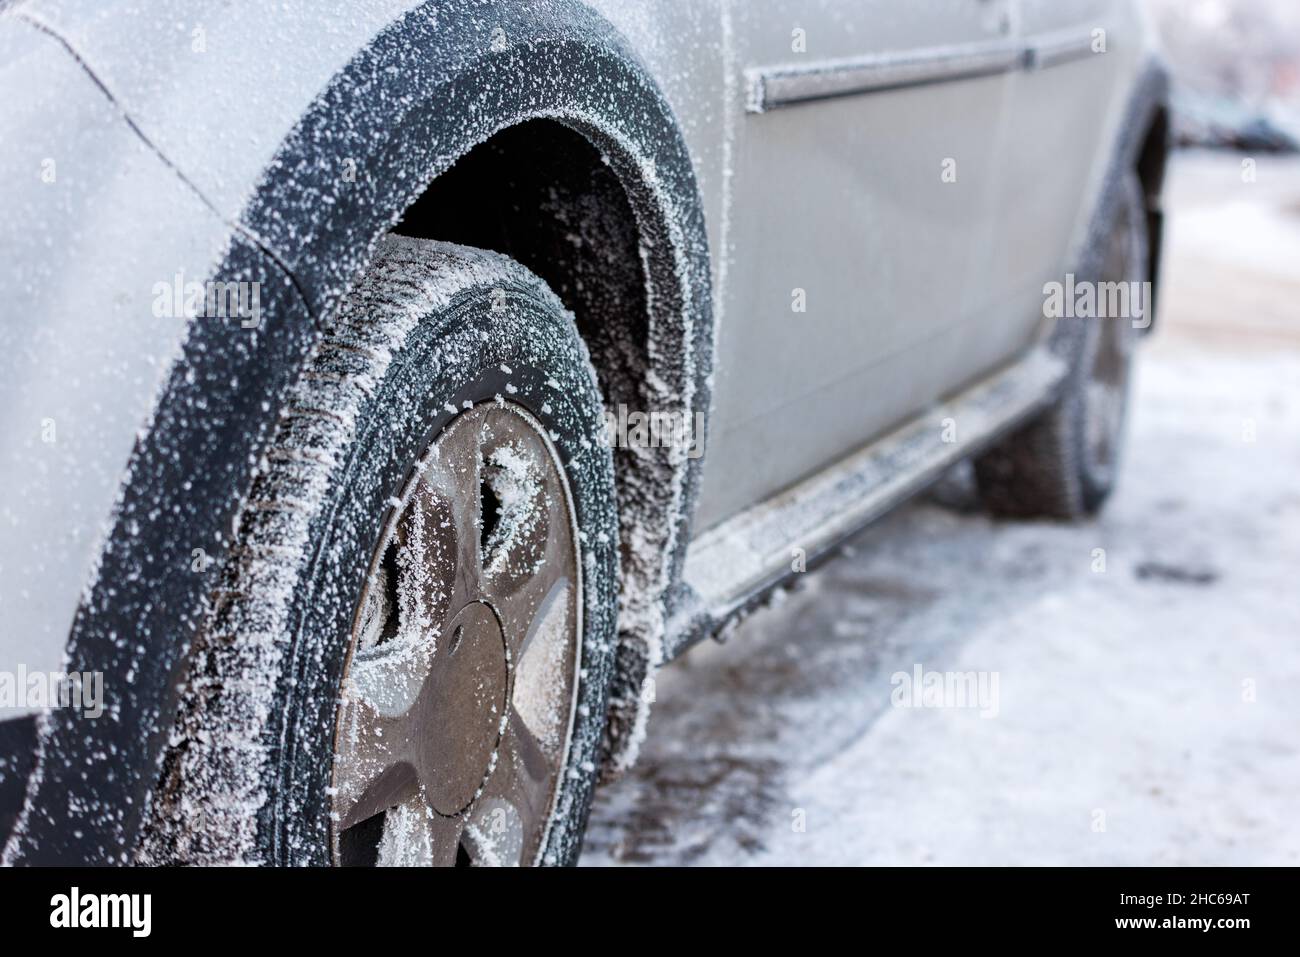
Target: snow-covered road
1147, 709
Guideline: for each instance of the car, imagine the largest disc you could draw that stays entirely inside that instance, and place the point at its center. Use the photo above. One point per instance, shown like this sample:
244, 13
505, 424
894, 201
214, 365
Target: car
391, 388
1218, 123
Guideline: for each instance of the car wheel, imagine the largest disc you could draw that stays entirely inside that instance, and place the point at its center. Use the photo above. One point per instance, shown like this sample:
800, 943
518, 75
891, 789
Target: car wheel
408, 660
1064, 463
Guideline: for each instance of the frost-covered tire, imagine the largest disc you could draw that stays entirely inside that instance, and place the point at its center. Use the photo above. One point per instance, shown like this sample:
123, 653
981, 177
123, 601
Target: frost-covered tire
1064, 463
445, 363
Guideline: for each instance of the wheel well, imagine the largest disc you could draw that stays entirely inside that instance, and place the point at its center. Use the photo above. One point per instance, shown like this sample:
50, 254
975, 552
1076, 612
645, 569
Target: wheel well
1152, 162
1154, 154
542, 194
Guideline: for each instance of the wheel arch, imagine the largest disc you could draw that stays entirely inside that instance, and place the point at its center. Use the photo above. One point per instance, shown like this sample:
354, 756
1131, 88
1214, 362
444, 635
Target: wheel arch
419, 96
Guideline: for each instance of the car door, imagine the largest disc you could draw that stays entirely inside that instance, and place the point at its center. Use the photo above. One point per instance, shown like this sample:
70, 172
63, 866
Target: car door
860, 227
1063, 112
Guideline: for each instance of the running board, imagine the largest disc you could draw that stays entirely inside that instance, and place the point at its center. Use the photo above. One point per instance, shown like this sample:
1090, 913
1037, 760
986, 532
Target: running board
729, 568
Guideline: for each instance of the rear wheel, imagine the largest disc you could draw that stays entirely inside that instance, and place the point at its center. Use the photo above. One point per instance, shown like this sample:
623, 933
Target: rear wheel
1064, 463
408, 662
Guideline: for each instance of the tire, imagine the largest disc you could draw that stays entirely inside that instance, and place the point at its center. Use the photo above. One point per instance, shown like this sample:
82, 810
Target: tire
1064, 463
438, 344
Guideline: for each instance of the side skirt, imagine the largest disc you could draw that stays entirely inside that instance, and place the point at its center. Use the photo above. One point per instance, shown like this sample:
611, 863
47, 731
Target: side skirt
732, 566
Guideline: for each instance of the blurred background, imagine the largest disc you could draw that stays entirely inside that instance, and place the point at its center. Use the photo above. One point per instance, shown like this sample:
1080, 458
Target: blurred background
1236, 70
1148, 711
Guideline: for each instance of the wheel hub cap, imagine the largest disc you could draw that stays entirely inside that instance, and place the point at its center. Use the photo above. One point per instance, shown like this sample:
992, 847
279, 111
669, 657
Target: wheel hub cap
457, 702
471, 677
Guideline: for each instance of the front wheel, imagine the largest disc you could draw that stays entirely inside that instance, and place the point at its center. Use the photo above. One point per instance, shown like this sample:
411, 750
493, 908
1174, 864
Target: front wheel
408, 660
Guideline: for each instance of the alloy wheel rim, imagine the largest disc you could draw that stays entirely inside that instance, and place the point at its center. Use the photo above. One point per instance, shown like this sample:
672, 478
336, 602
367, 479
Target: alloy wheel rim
457, 703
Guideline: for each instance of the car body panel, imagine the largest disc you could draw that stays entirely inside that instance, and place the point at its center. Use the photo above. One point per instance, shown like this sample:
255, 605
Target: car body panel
84, 352
215, 85
1064, 120
832, 203
914, 286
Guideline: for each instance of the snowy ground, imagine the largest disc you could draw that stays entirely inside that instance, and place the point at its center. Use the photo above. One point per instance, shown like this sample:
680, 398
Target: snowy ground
1147, 713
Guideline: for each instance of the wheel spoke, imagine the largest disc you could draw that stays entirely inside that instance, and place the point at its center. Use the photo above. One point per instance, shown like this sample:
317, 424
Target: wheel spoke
452, 476
519, 788
537, 554
393, 785
427, 565
414, 836
525, 489
445, 835
521, 602
544, 666
371, 772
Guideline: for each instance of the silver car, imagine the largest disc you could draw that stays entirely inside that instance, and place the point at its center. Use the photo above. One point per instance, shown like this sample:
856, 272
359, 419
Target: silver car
389, 388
